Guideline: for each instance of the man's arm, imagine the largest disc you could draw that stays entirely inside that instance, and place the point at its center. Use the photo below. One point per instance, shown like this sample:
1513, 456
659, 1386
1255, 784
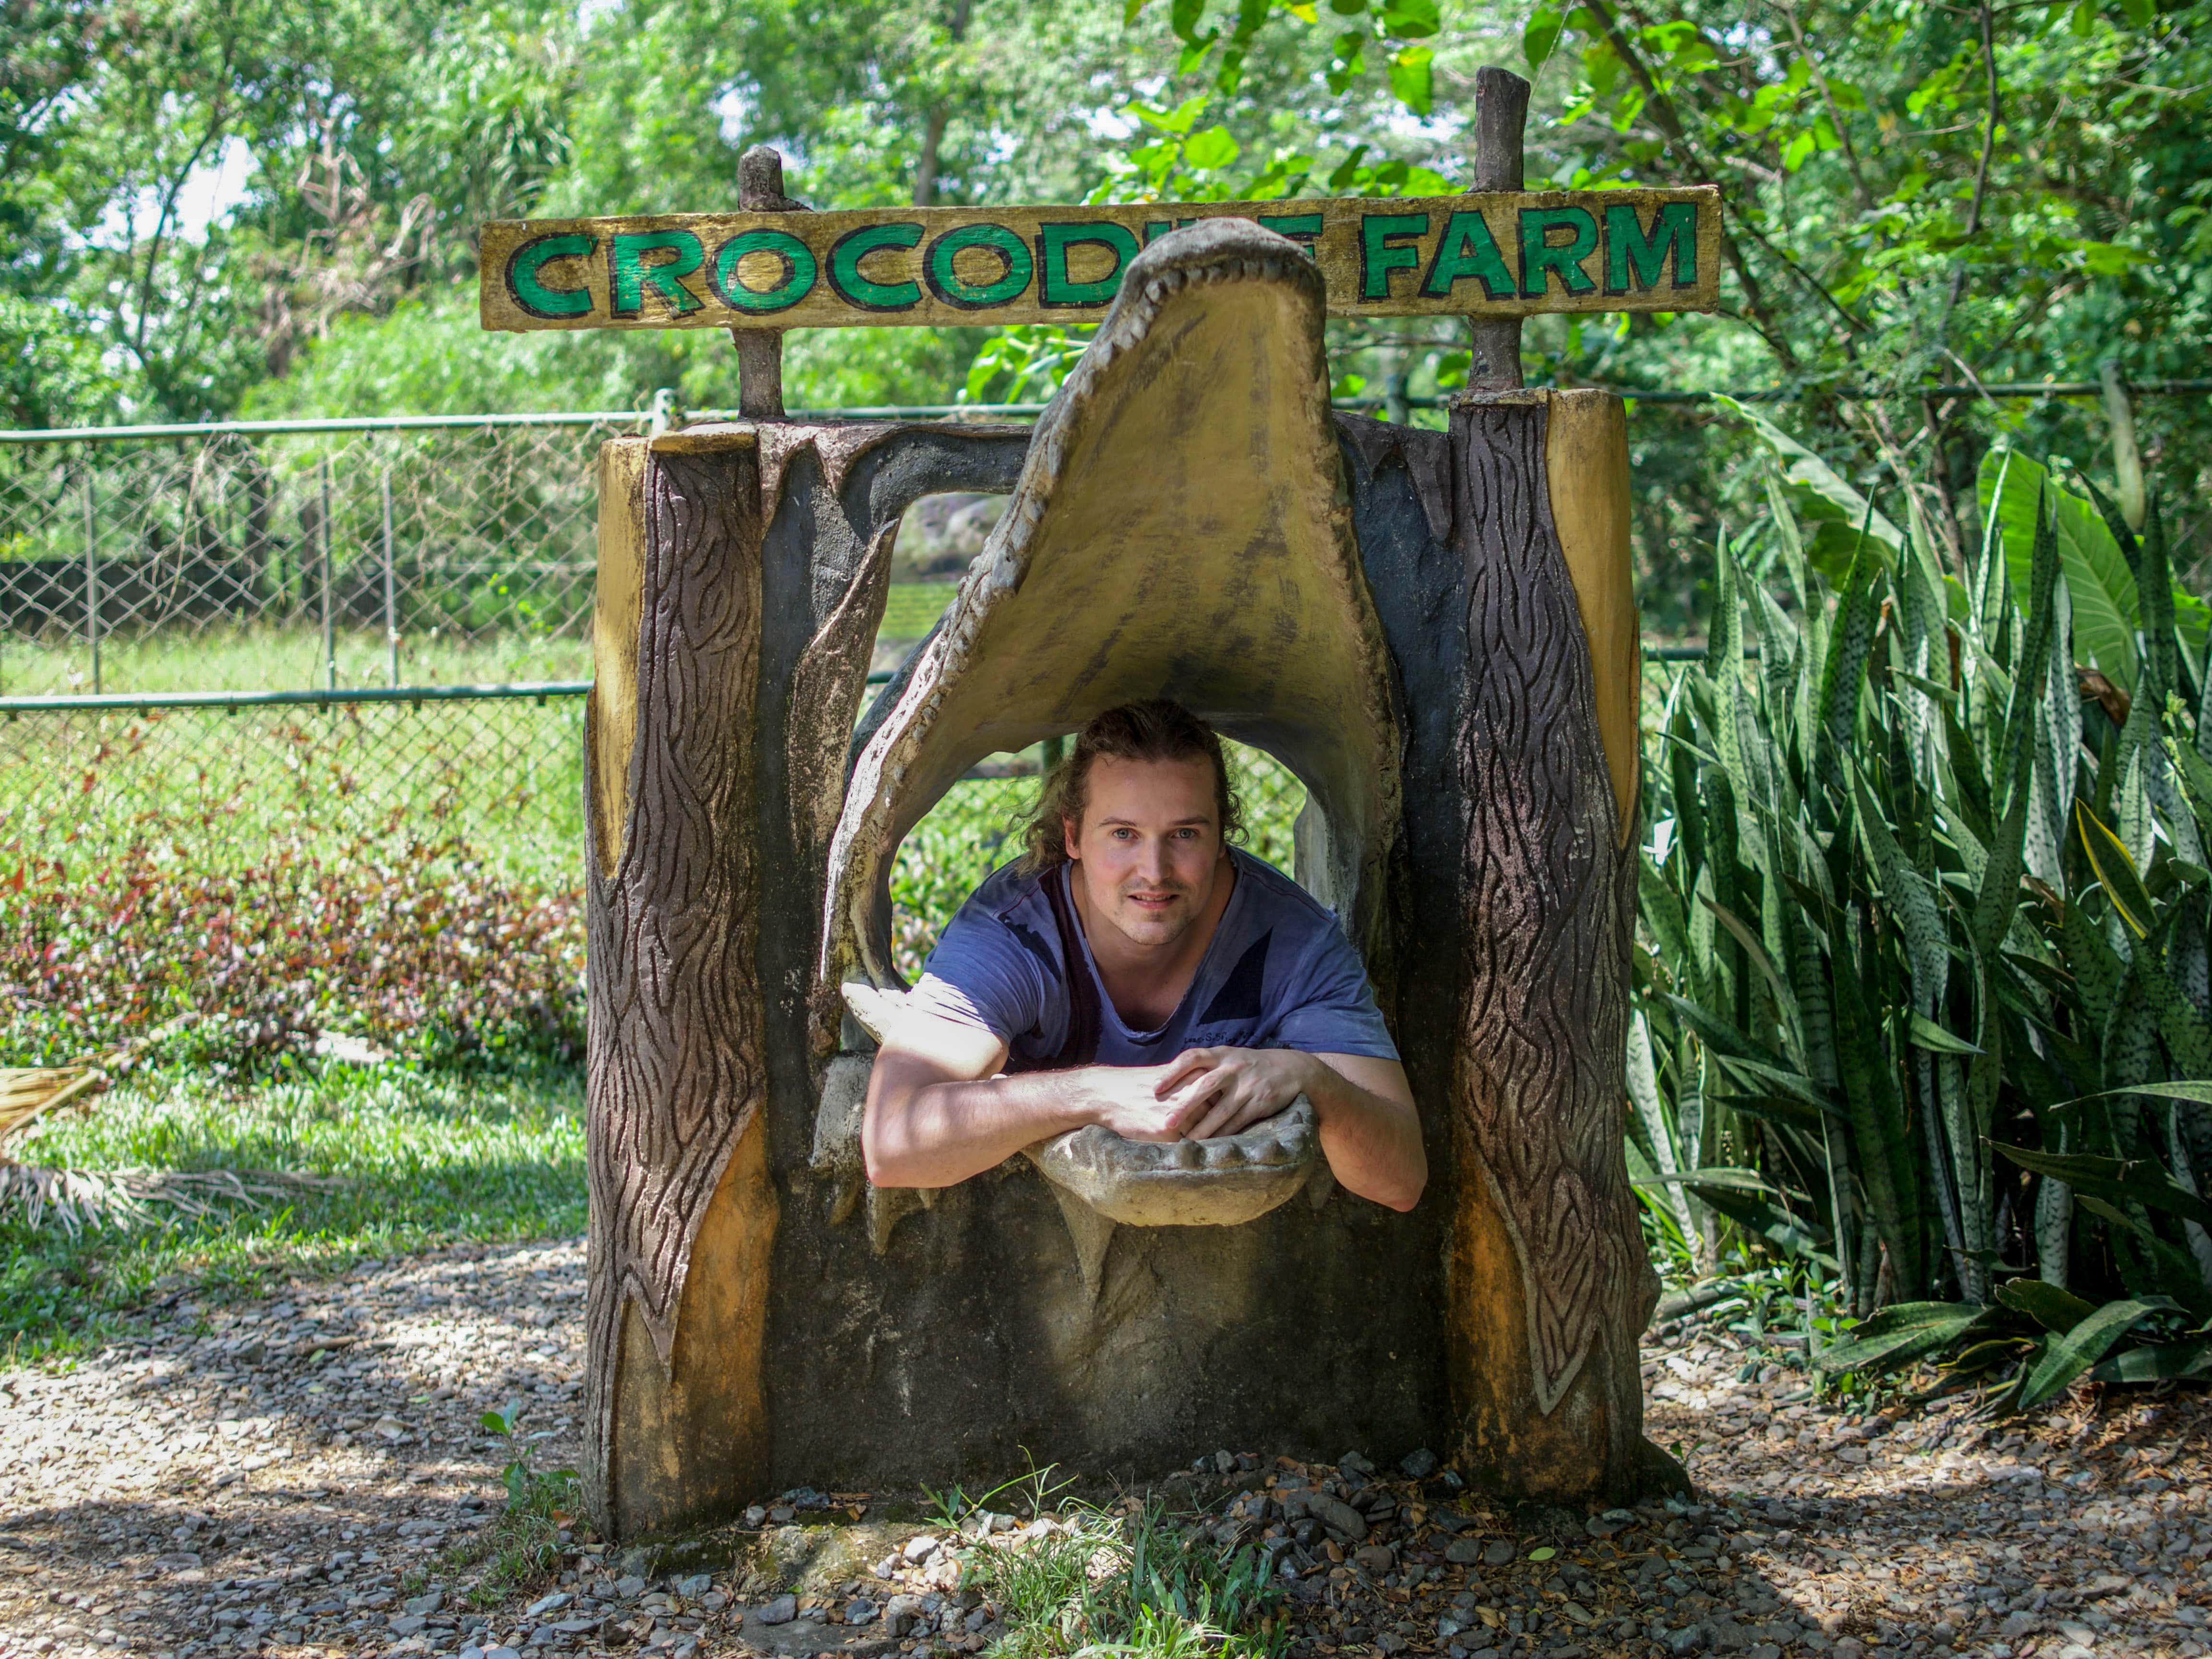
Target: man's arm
1370, 1132
936, 1115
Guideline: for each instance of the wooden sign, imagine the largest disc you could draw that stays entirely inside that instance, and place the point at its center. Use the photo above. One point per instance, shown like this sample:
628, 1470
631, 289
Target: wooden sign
1506, 254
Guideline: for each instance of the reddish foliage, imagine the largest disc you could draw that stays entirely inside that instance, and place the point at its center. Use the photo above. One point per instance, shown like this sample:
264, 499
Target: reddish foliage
416, 947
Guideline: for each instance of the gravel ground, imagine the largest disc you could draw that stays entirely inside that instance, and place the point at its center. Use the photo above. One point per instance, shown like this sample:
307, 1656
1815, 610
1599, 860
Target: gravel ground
305, 1477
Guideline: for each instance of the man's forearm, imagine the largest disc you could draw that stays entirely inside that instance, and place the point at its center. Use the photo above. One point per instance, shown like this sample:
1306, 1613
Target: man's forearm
942, 1133
1373, 1145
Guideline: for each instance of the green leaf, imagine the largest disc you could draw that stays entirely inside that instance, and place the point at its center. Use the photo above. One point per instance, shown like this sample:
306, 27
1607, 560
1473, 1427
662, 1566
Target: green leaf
1541, 34
2102, 586
1807, 470
2181, 1089
1412, 78
2069, 1356
2116, 871
1410, 20
2049, 1306
2157, 1362
1929, 1034
1542, 1553
1210, 148
1901, 1333
2121, 1180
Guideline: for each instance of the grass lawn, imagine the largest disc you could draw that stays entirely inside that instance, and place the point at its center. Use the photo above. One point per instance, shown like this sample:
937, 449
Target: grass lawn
419, 1160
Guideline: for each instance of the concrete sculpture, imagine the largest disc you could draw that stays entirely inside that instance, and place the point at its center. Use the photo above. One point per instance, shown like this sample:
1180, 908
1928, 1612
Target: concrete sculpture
1434, 630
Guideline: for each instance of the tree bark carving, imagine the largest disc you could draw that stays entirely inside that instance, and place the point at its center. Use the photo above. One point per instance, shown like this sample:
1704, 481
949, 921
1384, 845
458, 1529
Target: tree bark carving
1548, 899
677, 1066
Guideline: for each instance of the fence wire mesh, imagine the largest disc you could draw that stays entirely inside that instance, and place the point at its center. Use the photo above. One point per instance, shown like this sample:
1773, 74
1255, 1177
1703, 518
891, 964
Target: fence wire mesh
238, 562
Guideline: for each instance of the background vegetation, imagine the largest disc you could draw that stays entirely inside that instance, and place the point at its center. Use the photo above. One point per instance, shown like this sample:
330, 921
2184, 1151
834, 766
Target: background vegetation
1924, 1009
214, 208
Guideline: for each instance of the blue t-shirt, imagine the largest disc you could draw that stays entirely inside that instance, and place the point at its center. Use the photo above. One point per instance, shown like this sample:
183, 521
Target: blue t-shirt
1279, 974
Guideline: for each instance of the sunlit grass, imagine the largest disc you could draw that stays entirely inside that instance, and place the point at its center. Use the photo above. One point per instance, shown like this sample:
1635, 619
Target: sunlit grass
420, 1160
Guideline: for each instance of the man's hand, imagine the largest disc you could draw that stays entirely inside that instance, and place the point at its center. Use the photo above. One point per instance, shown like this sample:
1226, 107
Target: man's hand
1132, 1101
1370, 1132
1225, 1091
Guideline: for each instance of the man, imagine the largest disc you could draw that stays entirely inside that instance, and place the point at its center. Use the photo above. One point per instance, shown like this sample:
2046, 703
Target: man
1135, 971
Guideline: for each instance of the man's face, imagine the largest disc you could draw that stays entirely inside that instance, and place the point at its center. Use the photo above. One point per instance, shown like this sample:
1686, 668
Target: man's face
1149, 848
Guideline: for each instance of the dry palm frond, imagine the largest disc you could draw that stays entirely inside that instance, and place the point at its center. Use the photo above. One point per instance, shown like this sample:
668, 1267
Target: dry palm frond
28, 1092
78, 1199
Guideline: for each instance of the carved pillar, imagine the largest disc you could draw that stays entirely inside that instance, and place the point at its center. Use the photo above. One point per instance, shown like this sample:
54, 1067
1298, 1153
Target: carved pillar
1550, 1282
675, 1422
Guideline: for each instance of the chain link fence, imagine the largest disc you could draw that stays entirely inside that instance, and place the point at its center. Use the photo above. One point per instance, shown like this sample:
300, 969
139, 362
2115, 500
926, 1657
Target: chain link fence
372, 638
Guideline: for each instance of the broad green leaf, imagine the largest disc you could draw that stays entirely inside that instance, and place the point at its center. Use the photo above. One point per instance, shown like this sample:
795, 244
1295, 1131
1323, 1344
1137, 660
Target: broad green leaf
1804, 470
1210, 148
2157, 1362
2120, 1180
2046, 1304
1900, 1335
1412, 78
2102, 586
2066, 1356
1541, 34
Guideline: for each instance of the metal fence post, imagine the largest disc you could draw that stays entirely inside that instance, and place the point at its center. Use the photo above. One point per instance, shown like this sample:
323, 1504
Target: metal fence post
390, 591
91, 583
329, 638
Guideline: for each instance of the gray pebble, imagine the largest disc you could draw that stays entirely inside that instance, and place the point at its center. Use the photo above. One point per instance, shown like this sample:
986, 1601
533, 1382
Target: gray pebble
782, 1611
1499, 1554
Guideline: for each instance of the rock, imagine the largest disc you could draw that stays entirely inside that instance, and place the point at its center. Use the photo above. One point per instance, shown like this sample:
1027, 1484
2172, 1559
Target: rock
859, 1611
783, 1514
1762, 1650
782, 1611
629, 1587
919, 1549
1463, 1552
545, 1604
755, 1515
901, 1613
1691, 1638
695, 1586
1376, 1559
425, 1604
2017, 1625
406, 1624
1336, 1515
1602, 1526
1853, 1455
1849, 1647
1419, 1465
1499, 1554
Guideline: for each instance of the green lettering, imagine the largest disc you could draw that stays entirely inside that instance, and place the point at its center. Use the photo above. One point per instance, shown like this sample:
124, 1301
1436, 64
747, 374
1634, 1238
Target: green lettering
628, 275
1468, 249
800, 268
1629, 253
868, 294
1056, 287
1011, 281
1540, 257
1301, 227
1380, 253
526, 286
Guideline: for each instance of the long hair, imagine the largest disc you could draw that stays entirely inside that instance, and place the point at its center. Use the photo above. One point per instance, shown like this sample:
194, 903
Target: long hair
1154, 730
